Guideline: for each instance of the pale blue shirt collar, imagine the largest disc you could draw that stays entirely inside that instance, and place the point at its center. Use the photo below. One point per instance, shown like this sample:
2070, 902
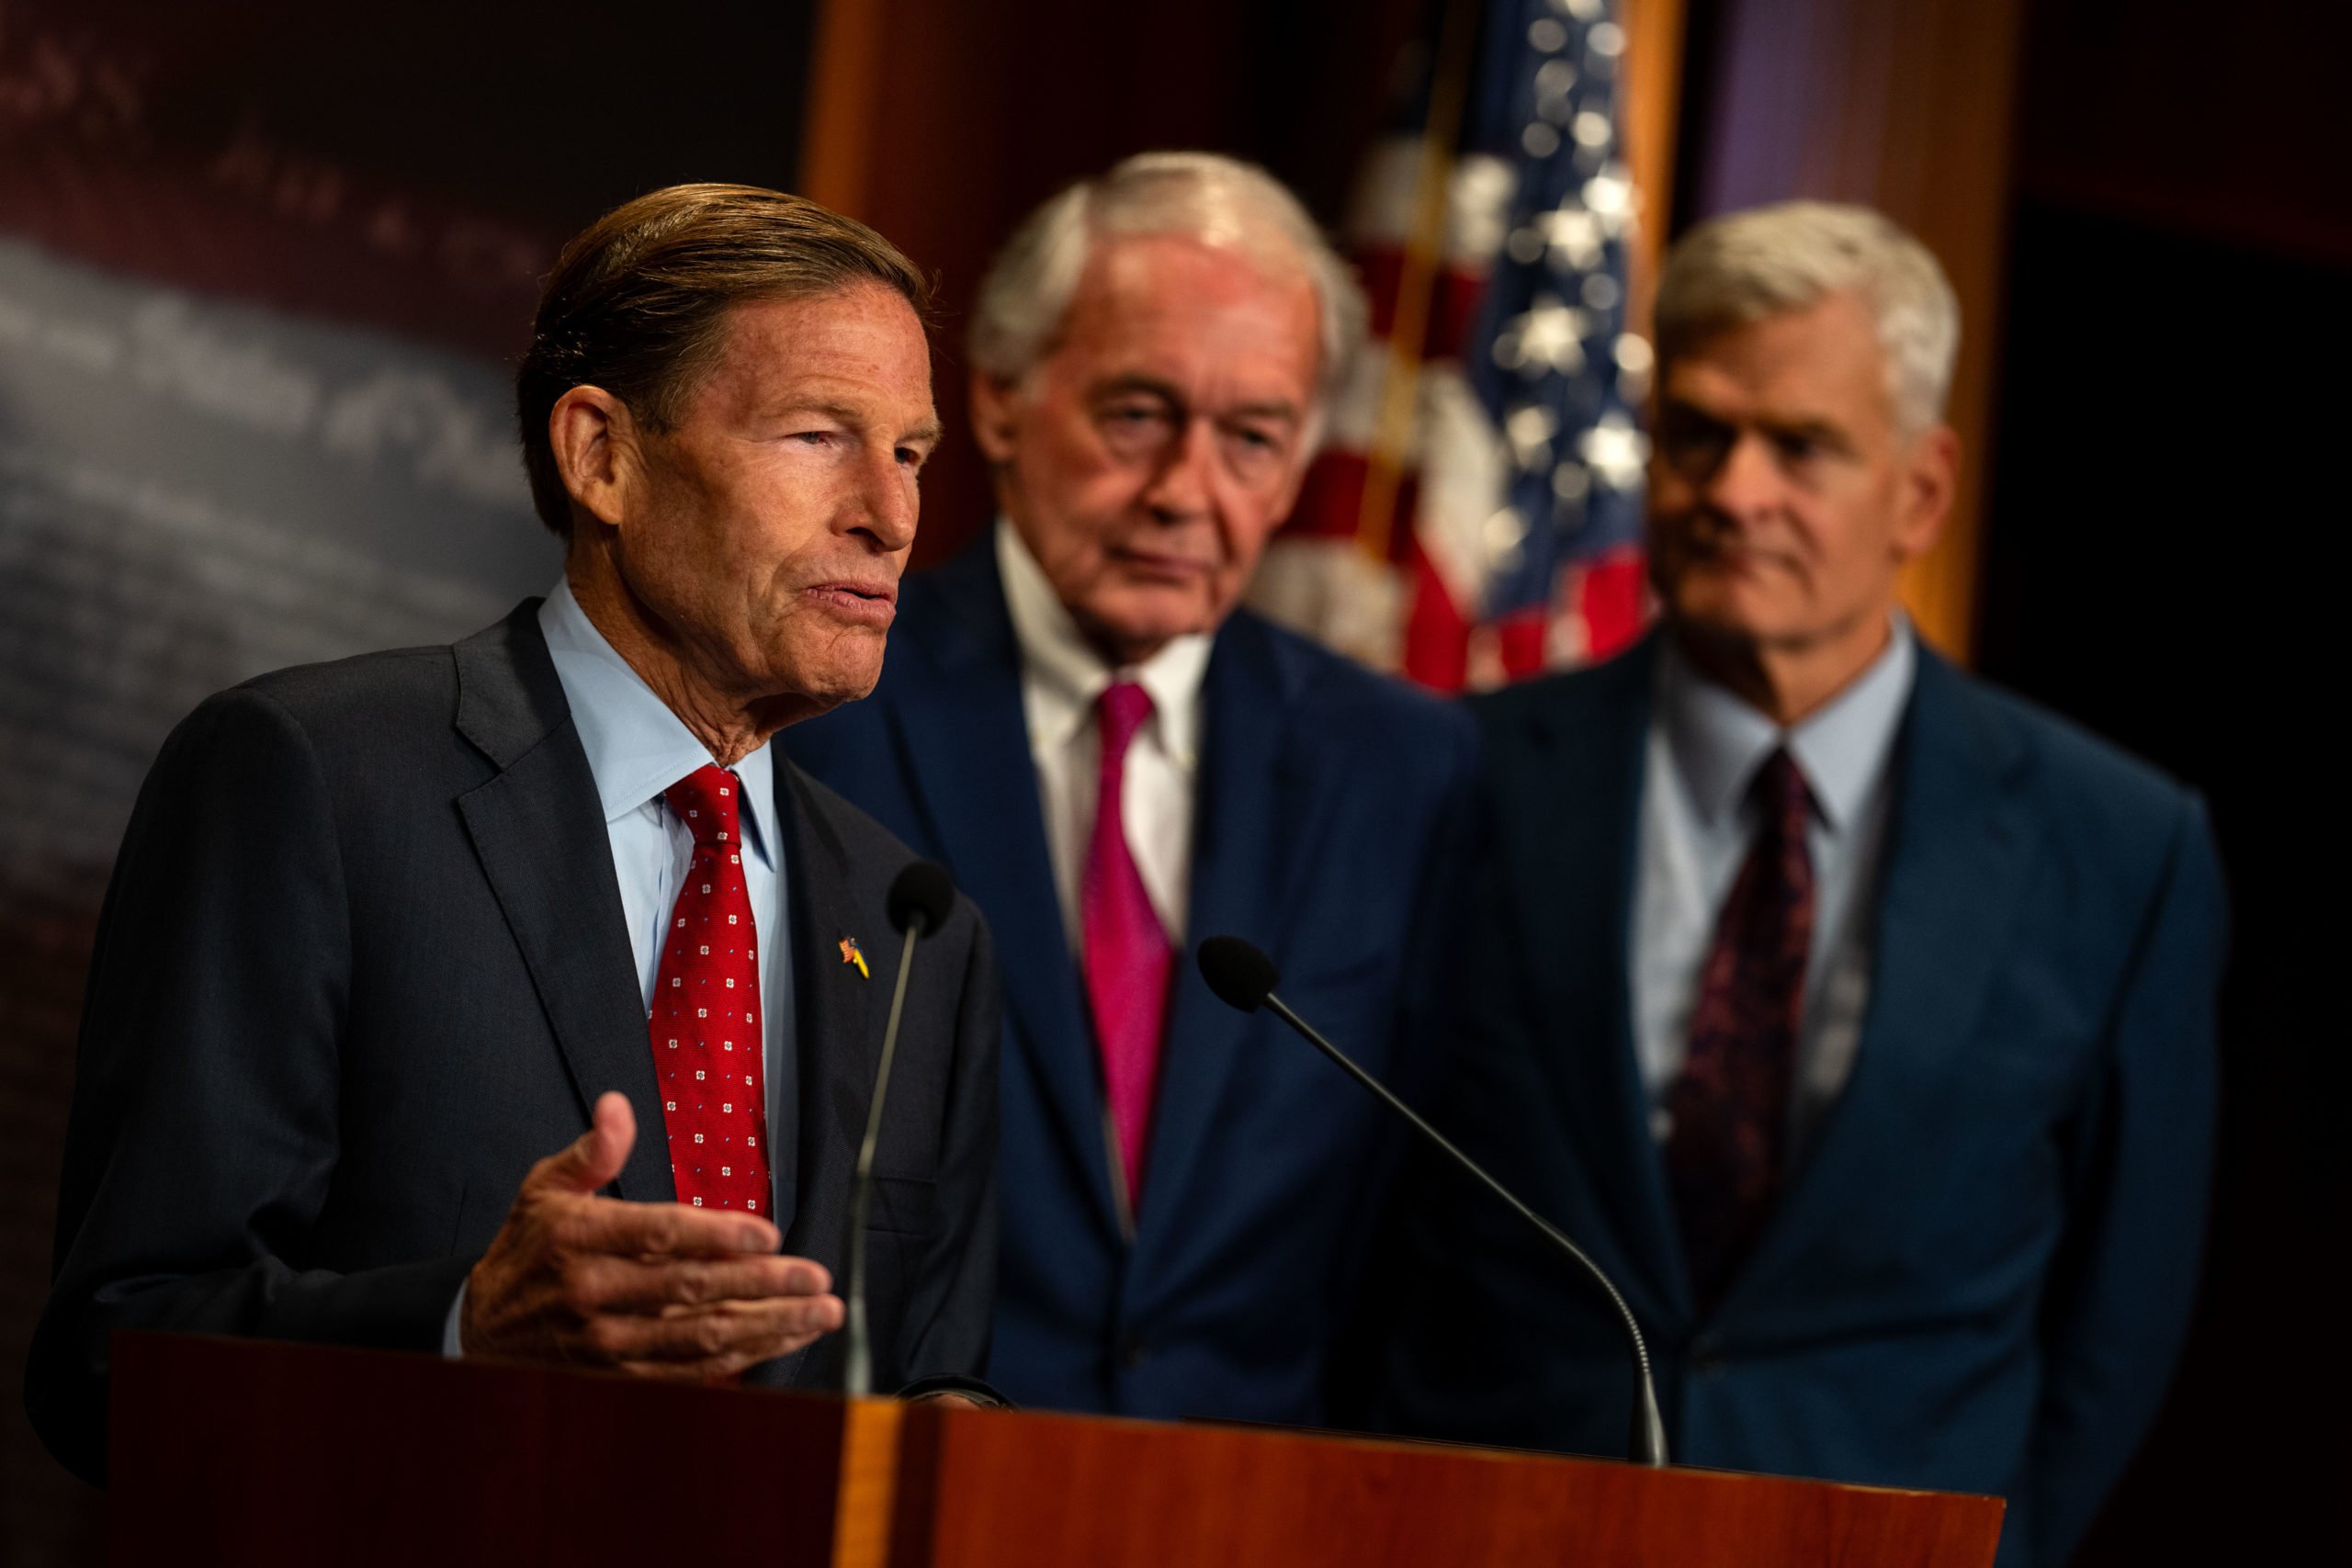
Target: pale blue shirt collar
1718, 741
637, 747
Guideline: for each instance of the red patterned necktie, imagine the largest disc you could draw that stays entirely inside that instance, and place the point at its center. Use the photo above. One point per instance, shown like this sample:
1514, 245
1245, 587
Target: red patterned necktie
1729, 1105
705, 1021
1127, 954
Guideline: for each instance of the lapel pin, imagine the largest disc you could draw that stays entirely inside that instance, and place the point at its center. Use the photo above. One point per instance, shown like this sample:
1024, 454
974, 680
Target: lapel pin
850, 954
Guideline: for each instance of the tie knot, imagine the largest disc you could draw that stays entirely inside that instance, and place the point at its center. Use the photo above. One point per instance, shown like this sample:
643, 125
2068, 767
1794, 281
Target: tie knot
706, 802
1781, 793
1120, 711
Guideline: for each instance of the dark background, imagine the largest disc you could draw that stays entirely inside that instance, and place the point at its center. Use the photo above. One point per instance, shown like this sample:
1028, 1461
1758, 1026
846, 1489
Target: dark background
2172, 380
2145, 578
2172, 352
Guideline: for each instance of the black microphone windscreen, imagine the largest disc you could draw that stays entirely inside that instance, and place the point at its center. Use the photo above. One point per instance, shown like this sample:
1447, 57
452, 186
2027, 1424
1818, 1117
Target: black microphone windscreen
923, 891
1239, 973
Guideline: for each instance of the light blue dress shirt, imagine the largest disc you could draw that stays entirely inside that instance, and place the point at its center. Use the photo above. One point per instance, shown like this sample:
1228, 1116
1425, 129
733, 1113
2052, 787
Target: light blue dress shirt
637, 749
1705, 744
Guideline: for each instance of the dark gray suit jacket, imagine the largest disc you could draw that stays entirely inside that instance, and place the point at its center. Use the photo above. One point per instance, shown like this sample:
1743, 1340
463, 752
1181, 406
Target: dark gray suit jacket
363, 962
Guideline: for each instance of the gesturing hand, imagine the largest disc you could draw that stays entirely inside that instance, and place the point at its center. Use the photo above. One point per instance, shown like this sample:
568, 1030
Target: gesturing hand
661, 1290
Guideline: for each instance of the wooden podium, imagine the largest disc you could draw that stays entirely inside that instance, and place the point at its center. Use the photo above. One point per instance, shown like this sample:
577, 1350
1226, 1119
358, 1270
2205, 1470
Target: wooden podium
258, 1454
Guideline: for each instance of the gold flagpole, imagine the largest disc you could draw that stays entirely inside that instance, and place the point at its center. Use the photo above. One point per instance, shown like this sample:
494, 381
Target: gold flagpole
1416, 281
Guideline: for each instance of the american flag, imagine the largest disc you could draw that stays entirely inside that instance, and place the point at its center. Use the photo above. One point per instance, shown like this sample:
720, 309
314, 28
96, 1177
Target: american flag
1475, 517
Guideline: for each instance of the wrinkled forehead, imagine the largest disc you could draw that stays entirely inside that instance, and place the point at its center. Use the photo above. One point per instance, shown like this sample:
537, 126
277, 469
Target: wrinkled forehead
863, 342
1818, 357
1212, 310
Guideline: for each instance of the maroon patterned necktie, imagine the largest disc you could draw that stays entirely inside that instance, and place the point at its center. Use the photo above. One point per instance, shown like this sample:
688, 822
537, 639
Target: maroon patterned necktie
705, 1021
1729, 1105
1128, 955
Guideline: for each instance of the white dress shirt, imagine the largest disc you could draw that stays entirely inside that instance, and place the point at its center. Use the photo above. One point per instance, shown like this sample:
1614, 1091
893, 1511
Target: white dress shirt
1697, 824
1061, 676
637, 749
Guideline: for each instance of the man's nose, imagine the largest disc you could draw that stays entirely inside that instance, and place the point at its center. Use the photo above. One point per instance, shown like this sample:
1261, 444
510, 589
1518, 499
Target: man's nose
1747, 483
889, 502
1181, 485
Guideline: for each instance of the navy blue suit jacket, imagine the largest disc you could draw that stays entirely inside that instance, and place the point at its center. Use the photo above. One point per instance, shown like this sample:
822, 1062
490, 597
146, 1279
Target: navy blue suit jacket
1981, 1279
1330, 829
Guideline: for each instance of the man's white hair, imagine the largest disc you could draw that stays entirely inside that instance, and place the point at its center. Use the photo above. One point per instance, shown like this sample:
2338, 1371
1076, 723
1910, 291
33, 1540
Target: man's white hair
1746, 265
1202, 196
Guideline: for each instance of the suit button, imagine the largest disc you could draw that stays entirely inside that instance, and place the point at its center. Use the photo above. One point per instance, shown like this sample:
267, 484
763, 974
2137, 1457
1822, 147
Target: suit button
1131, 1353
1707, 1358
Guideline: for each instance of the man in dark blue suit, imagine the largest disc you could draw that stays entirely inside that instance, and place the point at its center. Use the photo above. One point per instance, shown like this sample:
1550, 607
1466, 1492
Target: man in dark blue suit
1115, 762
1857, 1017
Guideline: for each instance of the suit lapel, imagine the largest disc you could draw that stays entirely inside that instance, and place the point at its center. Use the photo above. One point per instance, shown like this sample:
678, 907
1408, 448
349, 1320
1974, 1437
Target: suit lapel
1957, 847
833, 1043
1246, 828
1576, 897
540, 835
962, 727
837, 1041
836, 1047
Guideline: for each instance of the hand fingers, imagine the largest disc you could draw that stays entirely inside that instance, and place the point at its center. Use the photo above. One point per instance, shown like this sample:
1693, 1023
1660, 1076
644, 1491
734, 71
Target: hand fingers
739, 1331
597, 1157
662, 1230
721, 1368
630, 1284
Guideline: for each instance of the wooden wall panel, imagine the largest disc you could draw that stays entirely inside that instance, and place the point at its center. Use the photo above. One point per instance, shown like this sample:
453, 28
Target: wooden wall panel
1907, 106
942, 123
1654, 30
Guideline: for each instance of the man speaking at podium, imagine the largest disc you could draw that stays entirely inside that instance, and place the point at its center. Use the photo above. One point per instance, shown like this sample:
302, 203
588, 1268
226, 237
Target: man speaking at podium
409, 960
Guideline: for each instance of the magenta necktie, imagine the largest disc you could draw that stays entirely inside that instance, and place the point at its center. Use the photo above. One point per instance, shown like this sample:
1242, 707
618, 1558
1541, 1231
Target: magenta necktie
1127, 954
1729, 1107
705, 1021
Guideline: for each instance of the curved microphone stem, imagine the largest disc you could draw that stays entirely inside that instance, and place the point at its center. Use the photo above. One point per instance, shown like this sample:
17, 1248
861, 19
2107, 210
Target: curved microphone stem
1647, 1442
857, 1376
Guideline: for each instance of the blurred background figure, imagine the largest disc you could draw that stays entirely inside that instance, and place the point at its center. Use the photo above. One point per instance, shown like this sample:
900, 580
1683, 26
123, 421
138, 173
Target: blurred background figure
1879, 1072
1116, 763
262, 263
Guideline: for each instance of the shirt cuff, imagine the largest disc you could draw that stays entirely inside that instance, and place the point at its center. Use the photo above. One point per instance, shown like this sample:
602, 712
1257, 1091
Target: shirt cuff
449, 1346
973, 1389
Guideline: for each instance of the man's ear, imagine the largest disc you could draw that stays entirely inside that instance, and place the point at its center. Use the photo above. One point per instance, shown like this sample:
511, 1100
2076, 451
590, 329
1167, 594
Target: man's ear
1929, 480
596, 445
996, 416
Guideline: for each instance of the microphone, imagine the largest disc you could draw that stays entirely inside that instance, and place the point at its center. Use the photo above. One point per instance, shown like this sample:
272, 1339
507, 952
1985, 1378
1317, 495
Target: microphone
920, 900
1244, 978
